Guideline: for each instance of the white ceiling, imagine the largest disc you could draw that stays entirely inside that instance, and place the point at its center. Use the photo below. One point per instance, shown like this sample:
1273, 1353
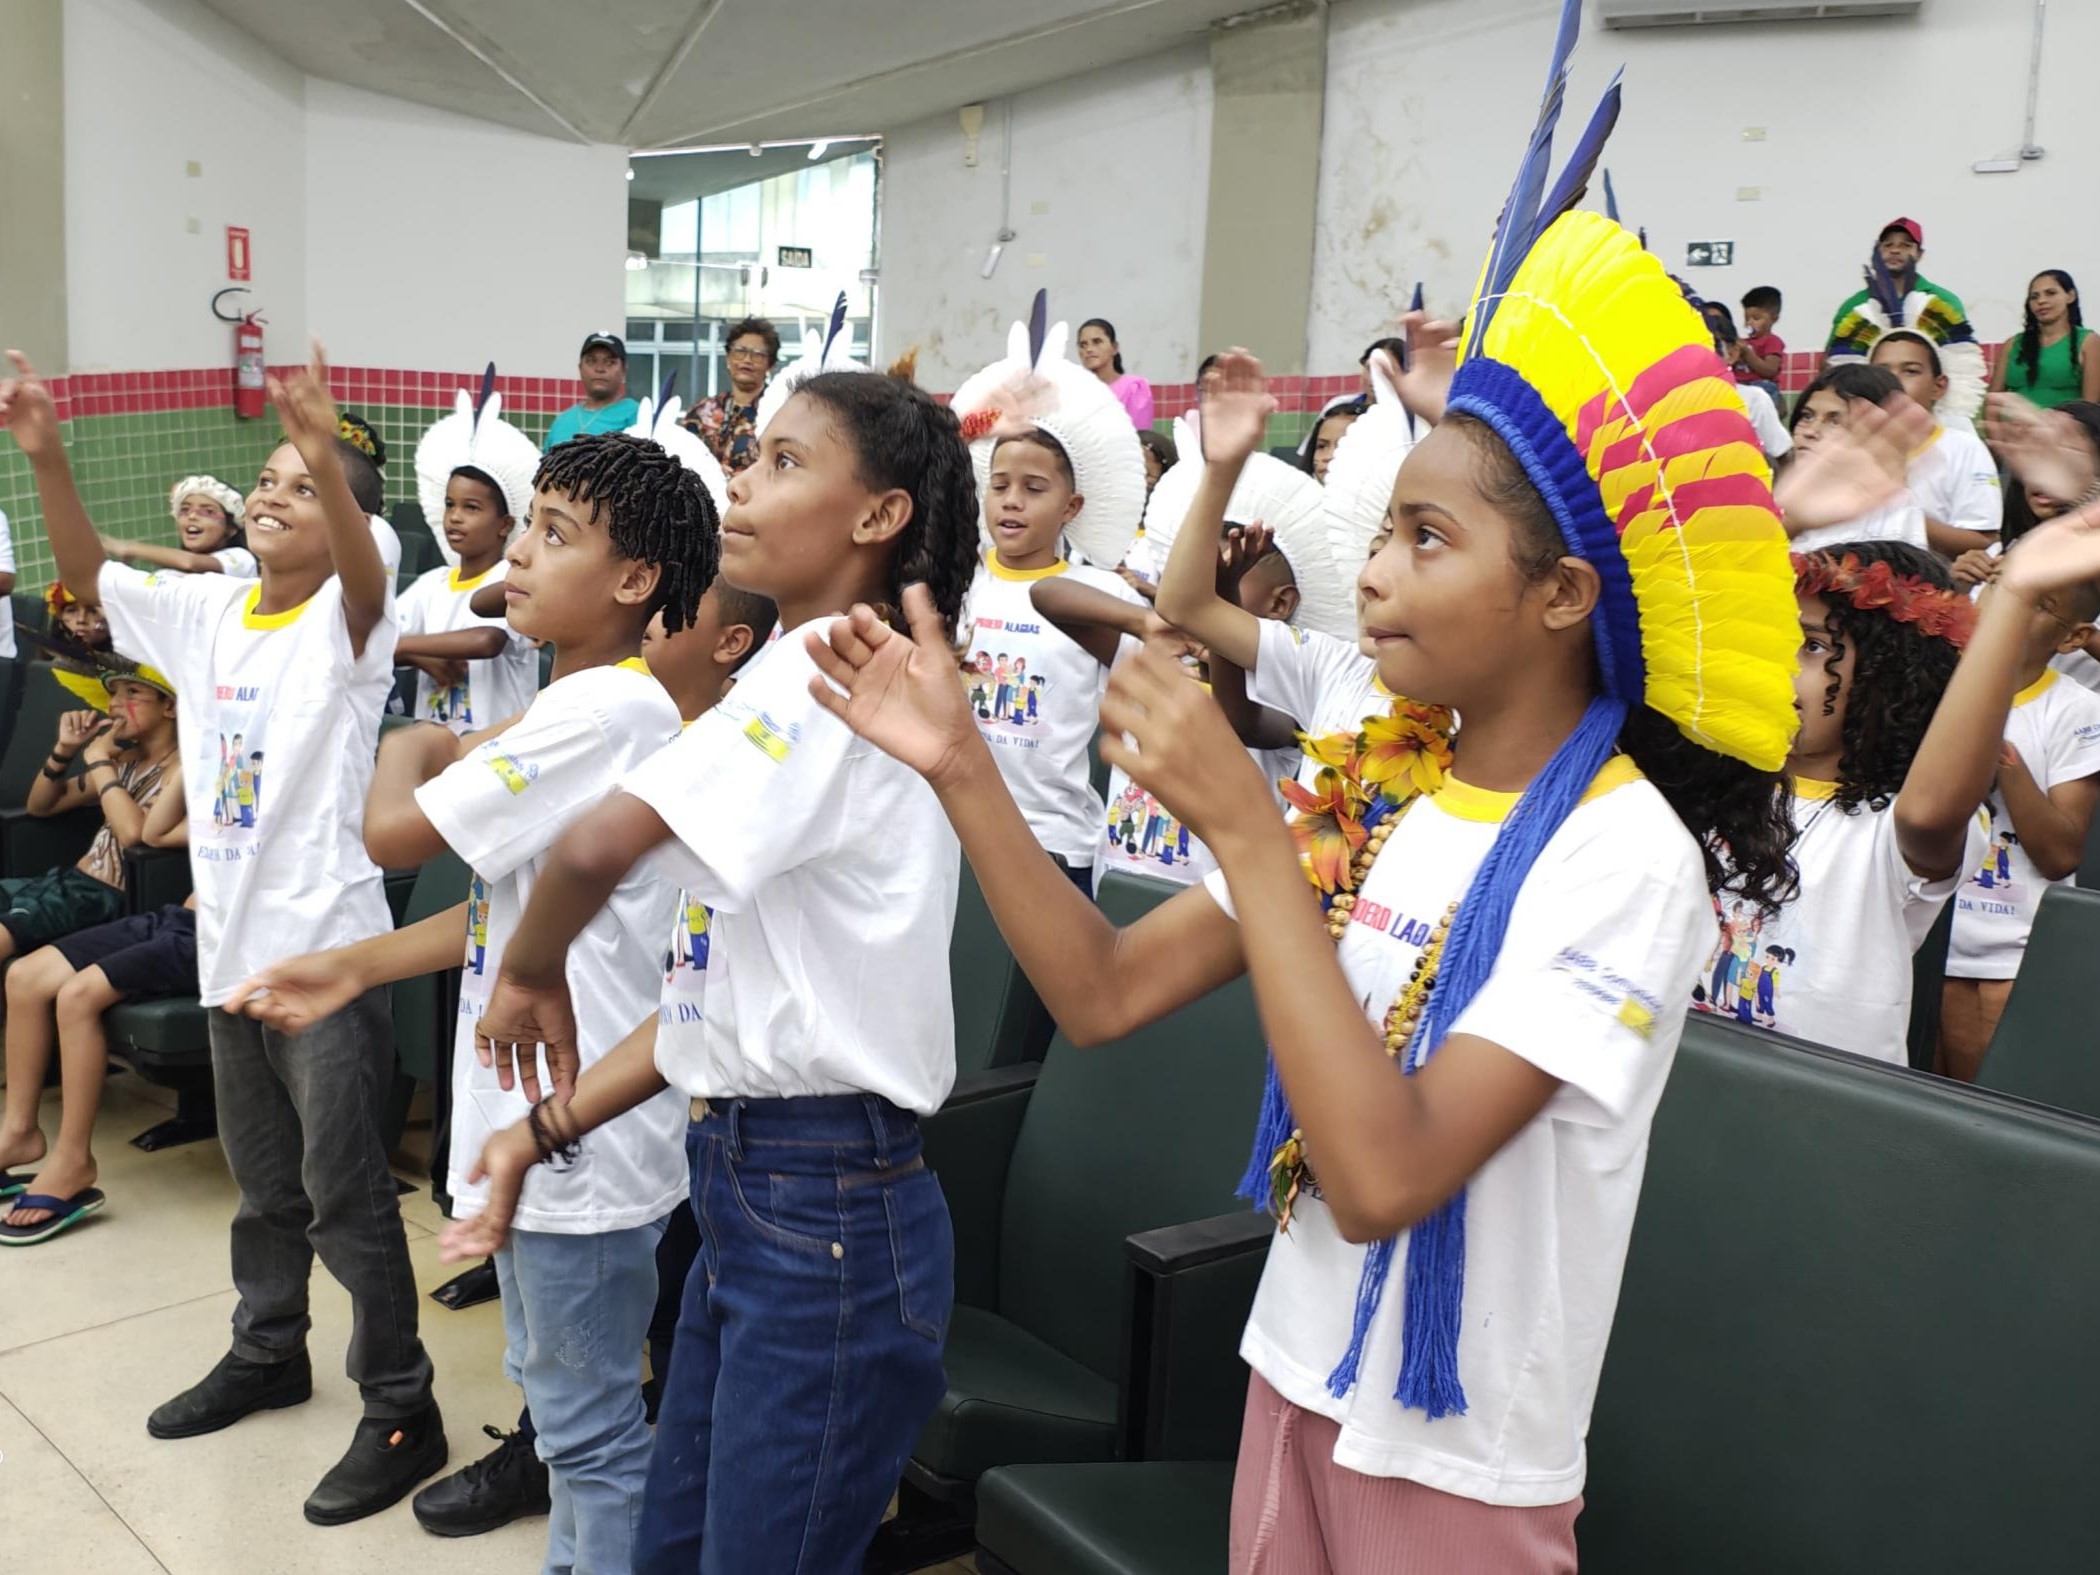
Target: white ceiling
666, 73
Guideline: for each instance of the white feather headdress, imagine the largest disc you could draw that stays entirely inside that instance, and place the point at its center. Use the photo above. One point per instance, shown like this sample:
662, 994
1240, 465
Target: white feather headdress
475, 437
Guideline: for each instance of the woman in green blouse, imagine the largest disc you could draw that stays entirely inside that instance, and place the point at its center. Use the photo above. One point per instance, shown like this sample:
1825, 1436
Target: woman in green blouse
2055, 358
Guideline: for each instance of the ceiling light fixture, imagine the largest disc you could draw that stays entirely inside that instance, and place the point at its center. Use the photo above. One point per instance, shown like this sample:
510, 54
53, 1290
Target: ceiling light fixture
816, 149
630, 172
637, 262
745, 147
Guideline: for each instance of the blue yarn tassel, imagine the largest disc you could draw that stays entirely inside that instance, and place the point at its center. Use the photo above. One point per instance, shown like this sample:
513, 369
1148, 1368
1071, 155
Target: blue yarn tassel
1436, 1247
1271, 1132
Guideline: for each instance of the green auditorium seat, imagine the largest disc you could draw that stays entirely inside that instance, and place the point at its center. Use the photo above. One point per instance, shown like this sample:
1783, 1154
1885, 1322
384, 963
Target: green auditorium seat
419, 553
1854, 1334
1928, 974
407, 518
1047, 1170
424, 1007
31, 731
999, 1019
2047, 1047
1856, 1326
27, 608
11, 670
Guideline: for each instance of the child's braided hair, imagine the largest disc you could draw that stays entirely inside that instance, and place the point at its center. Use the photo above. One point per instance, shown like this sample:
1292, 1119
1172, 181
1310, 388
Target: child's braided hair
654, 510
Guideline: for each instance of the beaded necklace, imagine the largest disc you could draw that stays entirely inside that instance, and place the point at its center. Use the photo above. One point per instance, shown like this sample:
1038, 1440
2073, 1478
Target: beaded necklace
1367, 781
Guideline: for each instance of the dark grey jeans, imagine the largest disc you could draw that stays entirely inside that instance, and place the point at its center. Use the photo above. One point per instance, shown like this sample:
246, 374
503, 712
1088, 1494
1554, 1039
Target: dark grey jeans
299, 1120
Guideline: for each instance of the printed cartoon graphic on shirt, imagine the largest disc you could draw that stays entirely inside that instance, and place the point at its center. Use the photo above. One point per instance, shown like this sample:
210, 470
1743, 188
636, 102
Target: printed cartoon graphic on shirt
685, 962
477, 926
238, 804
1996, 872
1006, 693
1144, 831
452, 704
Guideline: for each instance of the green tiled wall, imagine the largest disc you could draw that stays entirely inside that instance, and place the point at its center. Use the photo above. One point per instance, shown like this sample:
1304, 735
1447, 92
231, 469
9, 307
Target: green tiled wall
126, 464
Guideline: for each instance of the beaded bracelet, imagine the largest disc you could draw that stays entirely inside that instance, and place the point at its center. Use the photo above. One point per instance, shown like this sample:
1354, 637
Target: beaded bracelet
548, 1141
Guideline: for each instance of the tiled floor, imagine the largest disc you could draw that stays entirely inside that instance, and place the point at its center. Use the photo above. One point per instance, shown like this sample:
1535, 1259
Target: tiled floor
101, 1324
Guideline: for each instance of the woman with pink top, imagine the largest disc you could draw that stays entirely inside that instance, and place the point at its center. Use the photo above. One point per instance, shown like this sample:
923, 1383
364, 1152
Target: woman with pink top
1100, 355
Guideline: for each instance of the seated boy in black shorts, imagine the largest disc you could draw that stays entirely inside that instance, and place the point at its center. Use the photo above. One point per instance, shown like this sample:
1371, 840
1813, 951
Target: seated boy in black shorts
61, 990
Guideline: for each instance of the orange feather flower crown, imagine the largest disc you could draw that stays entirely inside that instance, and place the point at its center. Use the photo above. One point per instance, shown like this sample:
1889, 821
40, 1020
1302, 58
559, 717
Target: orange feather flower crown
1875, 587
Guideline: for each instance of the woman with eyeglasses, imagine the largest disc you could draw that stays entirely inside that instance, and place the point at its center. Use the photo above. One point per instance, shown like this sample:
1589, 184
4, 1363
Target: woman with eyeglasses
728, 422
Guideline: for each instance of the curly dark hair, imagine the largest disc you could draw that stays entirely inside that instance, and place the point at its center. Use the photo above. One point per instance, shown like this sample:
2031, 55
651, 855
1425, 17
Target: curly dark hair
902, 437
2020, 517
1740, 816
1898, 675
655, 511
2031, 328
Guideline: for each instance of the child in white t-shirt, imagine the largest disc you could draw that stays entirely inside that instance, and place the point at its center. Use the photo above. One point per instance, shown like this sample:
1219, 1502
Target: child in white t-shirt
1489, 1007
1878, 506
207, 516
826, 1029
620, 533
1952, 476
474, 471
2041, 807
283, 681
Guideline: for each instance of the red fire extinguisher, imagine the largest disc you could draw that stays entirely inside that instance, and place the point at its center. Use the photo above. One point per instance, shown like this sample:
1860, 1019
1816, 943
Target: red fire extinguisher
248, 374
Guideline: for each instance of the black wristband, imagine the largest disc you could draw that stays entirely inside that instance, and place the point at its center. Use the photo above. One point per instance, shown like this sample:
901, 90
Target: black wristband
57, 776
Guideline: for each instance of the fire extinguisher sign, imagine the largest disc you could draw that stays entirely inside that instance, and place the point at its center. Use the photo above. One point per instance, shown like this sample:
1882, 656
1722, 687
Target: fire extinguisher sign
237, 261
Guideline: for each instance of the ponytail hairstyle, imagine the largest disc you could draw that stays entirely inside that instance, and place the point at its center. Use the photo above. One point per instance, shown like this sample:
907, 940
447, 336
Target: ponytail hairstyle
1109, 328
1742, 821
902, 438
2031, 330
363, 453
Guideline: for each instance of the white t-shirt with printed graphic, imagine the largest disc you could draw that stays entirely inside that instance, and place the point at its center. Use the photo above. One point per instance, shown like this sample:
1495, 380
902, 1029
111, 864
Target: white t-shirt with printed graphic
1143, 836
1603, 942
501, 807
830, 873
1833, 966
1954, 480
2055, 725
440, 602
1036, 694
278, 723
1323, 684
236, 563
1900, 519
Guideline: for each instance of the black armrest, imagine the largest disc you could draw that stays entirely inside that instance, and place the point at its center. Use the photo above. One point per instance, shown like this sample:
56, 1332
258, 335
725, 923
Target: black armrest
31, 844
969, 1146
1187, 1294
155, 878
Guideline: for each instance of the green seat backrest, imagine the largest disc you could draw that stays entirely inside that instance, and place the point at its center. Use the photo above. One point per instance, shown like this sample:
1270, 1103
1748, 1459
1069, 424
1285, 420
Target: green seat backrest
419, 553
1928, 974
423, 1006
1856, 1329
2089, 864
28, 608
2047, 1047
407, 518
999, 1020
32, 731
11, 670
1151, 1130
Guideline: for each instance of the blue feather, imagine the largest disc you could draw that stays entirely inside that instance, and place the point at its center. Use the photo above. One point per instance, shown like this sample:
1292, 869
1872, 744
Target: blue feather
1589, 147
838, 321
1882, 285
1519, 225
488, 387
663, 394
1416, 304
1038, 328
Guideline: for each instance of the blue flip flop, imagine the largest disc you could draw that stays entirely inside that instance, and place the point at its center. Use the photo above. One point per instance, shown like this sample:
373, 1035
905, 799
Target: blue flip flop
10, 1183
64, 1212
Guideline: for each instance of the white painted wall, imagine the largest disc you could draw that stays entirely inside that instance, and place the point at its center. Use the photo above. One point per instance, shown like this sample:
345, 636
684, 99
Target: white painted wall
151, 86
1110, 186
434, 241
1429, 103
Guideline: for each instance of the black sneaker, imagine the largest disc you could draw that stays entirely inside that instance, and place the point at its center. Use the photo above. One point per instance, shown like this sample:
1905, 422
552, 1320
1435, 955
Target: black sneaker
234, 1389
386, 1458
506, 1484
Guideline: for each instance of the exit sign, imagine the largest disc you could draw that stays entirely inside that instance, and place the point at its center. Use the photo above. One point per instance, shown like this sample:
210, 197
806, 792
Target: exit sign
1709, 254
796, 257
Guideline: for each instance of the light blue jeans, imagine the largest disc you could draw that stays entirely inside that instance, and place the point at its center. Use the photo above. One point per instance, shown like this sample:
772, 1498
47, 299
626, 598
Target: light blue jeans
576, 1312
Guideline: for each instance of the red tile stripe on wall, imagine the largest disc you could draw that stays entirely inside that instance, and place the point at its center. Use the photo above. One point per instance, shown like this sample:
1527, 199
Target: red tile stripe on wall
136, 393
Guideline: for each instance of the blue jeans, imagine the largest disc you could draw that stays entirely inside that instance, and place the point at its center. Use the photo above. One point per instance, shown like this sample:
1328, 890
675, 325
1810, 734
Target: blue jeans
575, 1312
808, 1353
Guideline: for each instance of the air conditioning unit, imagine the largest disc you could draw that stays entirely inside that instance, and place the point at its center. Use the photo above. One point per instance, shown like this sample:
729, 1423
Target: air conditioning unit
1690, 13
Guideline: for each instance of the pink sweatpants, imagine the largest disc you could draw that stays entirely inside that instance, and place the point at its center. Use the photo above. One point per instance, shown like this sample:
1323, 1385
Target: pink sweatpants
1295, 1512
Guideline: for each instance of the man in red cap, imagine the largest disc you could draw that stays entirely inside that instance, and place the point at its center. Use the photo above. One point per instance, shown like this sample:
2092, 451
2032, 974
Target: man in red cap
1896, 296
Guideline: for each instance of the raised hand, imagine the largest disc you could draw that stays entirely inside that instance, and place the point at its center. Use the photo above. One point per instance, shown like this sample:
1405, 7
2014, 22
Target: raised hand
521, 1022
75, 728
2046, 449
505, 1159
1243, 547
293, 995
1237, 405
27, 411
1855, 469
2054, 556
1171, 739
1432, 361
901, 694
308, 410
